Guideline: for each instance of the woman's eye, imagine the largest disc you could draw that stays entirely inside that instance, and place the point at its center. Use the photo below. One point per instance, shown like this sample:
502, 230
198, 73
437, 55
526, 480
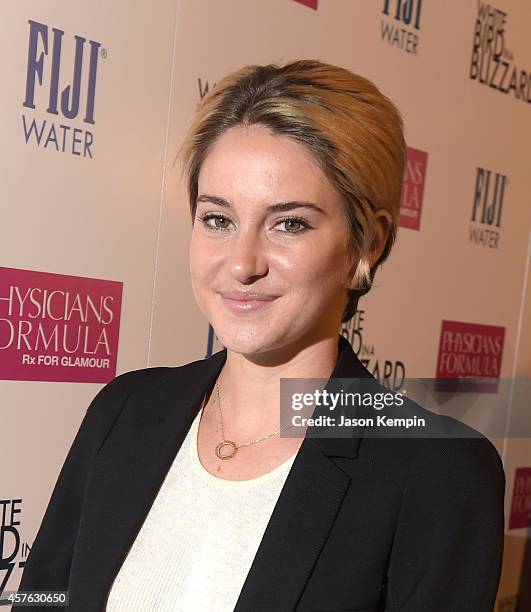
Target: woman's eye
220, 223
215, 218
294, 225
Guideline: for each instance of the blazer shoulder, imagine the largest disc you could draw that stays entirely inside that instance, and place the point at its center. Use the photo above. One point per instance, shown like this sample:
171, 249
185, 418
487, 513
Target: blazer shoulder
443, 443
463, 448
123, 385
471, 467
107, 404
113, 395
452, 442
447, 451
128, 382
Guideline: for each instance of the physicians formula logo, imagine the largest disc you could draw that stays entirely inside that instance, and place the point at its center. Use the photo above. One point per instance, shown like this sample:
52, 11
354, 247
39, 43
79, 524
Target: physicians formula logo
11, 546
311, 3
60, 90
413, 188
400, 24
55, 327
492, 63
389, 372
470, 357
487, 206
521, 505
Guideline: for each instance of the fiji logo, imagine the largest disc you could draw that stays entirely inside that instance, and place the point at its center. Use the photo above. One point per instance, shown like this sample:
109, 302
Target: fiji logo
487, 206
398, 33
47, 86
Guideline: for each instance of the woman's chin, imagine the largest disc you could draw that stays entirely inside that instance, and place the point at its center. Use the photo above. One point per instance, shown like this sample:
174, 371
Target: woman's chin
245, 340
238, 343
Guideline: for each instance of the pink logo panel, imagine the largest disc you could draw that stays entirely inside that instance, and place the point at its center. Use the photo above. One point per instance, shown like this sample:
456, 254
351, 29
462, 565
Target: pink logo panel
310, 3
413, 188
60, 328
471, 351
521, 504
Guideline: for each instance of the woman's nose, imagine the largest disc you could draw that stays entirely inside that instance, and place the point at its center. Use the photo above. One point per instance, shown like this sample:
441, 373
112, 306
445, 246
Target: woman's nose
247, 258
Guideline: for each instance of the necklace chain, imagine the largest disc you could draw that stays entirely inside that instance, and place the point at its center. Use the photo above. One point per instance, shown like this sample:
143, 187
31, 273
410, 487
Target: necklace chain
232, 444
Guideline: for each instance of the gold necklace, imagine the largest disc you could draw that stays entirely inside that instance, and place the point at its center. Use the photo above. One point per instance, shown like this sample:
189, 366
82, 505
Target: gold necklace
230, 443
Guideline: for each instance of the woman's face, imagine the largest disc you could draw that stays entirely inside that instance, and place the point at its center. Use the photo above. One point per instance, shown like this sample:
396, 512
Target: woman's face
242, 241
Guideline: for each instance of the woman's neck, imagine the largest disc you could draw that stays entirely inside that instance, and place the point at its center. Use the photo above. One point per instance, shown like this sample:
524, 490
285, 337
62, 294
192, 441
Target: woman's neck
249, 386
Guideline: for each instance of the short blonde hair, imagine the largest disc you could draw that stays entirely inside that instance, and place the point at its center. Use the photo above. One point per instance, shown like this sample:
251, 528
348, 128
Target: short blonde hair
353, 131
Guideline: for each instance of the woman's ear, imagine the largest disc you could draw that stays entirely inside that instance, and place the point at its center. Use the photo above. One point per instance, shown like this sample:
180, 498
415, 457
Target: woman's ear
354, 261
366, 267
382, 227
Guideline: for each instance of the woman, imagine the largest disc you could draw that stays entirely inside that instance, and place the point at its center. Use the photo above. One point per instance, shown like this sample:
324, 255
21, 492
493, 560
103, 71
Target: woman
179, 491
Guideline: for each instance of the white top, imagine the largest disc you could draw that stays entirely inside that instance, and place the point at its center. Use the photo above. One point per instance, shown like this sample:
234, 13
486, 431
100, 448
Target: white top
199, 539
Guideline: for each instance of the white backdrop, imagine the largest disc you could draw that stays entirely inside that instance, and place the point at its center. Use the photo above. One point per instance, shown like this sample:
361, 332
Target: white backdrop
121, 215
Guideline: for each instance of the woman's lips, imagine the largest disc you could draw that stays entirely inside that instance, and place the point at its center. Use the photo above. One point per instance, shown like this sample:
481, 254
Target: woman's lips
244, 304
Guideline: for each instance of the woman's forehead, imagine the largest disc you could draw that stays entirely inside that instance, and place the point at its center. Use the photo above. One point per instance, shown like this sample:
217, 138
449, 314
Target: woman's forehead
253, 163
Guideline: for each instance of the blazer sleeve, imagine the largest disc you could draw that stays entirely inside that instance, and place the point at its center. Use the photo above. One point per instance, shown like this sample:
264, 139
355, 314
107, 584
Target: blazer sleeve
47, 566
448, 544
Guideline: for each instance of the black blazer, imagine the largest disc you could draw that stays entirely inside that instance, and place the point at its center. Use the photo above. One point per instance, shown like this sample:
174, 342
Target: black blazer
361, 524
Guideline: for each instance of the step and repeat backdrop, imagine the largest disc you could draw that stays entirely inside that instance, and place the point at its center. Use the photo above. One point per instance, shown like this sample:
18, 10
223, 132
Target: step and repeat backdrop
95, 224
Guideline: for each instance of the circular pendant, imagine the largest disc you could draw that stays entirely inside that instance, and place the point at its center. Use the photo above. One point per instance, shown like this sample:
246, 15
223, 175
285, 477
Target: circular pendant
228, 443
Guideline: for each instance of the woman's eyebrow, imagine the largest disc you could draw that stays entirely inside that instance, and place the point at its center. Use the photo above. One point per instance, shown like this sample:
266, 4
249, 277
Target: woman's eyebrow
281, 206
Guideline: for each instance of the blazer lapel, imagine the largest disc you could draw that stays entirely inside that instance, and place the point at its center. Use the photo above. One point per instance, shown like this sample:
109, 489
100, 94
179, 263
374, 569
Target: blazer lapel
305, 511
136, 456
128, 472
